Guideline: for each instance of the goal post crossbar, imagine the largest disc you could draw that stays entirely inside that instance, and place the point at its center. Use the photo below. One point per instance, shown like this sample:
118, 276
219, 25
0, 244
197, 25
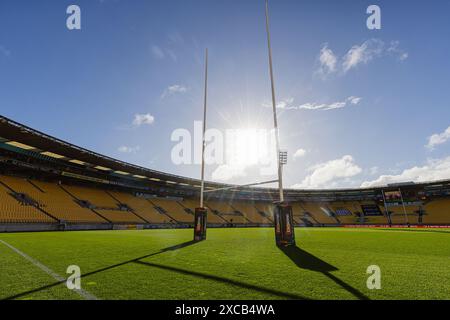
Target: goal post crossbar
241, 186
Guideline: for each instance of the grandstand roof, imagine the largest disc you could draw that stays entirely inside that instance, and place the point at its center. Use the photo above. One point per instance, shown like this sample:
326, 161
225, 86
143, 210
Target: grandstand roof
23, 137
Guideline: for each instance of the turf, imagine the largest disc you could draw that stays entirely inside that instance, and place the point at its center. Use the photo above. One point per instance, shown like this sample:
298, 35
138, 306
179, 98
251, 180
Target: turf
328, 263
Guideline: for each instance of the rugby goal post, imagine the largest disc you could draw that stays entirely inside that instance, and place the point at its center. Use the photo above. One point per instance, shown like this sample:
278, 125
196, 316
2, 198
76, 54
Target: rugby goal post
201, 213
283, 217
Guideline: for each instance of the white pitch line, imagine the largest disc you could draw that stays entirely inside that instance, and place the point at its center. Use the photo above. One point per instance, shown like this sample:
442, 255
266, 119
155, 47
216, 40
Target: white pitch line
85, 294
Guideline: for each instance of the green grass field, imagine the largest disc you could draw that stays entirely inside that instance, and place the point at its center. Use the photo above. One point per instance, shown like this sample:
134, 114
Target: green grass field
328, 263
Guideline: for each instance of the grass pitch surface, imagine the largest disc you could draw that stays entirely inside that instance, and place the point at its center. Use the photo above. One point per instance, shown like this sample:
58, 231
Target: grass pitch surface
328, 263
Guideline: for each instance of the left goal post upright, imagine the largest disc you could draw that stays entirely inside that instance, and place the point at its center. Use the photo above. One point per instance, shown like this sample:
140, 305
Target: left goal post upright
201, 213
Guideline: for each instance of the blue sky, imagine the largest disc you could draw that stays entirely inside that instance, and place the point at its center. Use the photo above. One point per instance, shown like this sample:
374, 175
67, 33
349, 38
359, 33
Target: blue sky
364, 107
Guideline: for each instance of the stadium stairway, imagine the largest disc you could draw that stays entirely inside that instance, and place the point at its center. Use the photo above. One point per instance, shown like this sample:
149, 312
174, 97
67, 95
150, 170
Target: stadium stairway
345, 207
174, 210
61, 205
212, 218
102, 204
163, 211
226, 211
141, 207
313, 210
265, 209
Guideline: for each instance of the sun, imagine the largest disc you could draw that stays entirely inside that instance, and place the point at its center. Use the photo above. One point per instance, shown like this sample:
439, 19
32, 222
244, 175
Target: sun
247, 147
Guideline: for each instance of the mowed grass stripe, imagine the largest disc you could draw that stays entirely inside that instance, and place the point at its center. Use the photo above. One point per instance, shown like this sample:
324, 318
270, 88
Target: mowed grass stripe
330, 263
18, 275
50, 272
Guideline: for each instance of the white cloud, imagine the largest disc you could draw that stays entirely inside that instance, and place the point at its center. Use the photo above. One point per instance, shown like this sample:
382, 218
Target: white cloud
363, 53
394, 48
369, 50
176, 88
125, 149
141, 119
157, 52
329, 173
282, 104
335, 105
434, 169
227, 172
287, 104
354, 100
300, 153
167, 50
323, 106
328, 61
438, 138
358, 54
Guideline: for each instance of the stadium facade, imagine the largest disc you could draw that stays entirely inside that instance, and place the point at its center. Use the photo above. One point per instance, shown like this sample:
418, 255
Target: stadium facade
50, 184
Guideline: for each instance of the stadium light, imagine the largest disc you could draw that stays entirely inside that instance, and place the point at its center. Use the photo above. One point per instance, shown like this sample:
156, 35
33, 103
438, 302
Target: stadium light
52, 155
284, 221
282, 157
123, 173
102, 168
79, 162
20, 145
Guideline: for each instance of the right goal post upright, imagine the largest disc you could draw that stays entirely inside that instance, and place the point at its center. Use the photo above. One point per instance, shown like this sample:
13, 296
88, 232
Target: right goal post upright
283, 217
284, 224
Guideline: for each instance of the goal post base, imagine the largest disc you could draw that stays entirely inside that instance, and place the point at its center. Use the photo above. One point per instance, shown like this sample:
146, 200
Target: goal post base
200, 224
284, 224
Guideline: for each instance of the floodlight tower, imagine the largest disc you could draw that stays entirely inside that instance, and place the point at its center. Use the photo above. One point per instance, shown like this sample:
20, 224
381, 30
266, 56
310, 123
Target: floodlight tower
201, 212
284, 226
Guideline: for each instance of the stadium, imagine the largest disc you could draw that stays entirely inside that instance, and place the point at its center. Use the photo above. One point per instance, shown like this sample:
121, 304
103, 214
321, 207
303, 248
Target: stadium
136, 233
49, 184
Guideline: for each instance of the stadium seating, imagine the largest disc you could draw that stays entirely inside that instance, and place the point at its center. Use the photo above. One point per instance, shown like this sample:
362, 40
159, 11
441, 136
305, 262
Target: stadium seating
250, 212
53, 200
342, 207
299, 215
59, 204
96, 197
142, 207
212, 217
437, 211
12, 211
368, 219
120, 216
103, 204
174, 210
226, 211
398, 214
314, 210
34, 201
265, 209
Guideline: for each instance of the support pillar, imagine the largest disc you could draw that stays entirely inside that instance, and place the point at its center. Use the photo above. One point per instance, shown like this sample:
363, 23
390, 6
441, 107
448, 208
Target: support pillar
284, 225
200, 224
